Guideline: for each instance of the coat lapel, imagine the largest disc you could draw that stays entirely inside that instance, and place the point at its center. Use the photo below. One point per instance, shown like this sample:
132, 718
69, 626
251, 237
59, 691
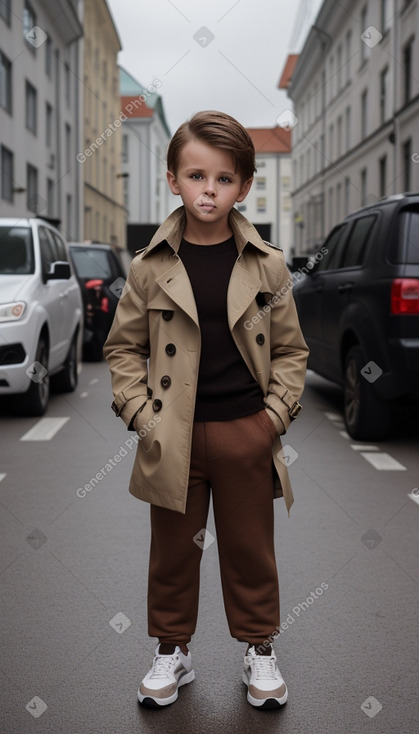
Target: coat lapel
176, 284
242, 289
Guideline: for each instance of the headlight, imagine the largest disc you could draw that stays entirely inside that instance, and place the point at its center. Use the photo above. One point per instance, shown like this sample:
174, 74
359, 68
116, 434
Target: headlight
12, 311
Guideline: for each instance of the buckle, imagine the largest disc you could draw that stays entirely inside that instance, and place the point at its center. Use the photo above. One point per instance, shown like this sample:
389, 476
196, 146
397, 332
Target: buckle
295, 410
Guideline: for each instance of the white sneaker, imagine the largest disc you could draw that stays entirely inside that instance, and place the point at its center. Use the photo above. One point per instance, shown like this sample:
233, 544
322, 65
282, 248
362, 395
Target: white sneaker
160, 686
266, 687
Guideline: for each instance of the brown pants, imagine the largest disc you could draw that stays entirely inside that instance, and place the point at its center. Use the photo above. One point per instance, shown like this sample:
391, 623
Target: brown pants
233, 459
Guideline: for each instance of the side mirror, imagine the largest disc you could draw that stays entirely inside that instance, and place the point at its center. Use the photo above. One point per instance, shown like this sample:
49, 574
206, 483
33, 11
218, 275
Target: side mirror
59, 270
299, 262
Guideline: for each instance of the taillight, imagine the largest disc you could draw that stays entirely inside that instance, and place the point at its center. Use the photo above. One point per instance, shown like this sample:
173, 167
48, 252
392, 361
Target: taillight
405, 296
104, 305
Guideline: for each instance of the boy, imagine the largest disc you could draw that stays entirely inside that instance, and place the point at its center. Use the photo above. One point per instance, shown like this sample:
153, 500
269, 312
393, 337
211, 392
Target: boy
208, 303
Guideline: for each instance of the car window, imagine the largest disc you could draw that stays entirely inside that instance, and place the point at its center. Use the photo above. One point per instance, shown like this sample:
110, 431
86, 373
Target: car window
59, 245
91, 263
356, 246
334, 245
16, 251
404, 247
48, 250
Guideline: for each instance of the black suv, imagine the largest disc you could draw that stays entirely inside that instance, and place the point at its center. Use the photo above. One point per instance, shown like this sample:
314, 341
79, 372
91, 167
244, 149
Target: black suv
358, 304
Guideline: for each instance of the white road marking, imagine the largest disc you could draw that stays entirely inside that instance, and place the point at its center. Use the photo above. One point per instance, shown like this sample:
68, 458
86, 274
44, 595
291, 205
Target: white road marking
414, 496
84, 394
383, 462
2, 476
344, 434
362, 447
93, 382
333, 416
45, 429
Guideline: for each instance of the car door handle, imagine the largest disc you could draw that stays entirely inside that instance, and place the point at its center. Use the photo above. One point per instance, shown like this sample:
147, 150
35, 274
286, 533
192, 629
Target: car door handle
345, 287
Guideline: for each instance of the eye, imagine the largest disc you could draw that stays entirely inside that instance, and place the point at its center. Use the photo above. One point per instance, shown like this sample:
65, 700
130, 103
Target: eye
225, 179
196, 176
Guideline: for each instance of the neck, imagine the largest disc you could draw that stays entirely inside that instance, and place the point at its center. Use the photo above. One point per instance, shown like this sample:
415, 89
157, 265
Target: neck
207, 235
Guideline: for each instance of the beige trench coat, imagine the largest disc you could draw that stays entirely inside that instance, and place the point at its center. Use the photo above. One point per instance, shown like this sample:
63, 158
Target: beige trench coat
153, 352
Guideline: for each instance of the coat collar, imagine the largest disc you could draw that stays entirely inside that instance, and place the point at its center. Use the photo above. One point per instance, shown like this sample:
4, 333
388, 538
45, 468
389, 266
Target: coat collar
173, 228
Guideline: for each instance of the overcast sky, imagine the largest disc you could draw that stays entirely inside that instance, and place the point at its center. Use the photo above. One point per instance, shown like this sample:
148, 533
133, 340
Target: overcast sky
233, 65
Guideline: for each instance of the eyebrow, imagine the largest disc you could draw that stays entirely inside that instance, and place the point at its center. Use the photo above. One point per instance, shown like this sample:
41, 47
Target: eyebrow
196, 169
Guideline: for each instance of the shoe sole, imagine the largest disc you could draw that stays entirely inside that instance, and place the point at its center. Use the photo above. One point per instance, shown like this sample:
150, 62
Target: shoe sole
265, 703
155, 702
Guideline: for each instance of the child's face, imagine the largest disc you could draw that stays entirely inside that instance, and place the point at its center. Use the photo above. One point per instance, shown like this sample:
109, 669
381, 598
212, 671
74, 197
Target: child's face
207, 183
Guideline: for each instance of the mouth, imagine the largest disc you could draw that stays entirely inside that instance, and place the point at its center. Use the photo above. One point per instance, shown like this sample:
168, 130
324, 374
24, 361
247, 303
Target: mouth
207, 205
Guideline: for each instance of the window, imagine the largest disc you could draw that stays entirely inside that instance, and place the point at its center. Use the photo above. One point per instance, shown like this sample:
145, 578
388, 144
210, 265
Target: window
364, 114
31, 188
347, 195
6, 174
384, 96
48, 124
261, 182
5, 8
69, 215
407, 71
68, 146
29, 21
67, 84
91, 262
50, 197
386, 15
261, 204
339, 69
364, 25
383, 174
407, 161
339, 137
331, 143
334, 245
348, 55
30, 98
16, 252
338, 201
125, 148
348, 128
331, 208
356, 247
363, 186
48, 57
47, 249
331, 83
5, 83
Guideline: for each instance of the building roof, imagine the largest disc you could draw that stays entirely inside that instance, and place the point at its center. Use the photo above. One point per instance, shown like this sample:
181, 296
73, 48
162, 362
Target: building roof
288, 71
132, 106
131, 89
270, 139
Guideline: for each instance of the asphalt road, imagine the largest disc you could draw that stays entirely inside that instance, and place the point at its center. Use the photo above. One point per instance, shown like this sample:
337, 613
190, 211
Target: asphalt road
73, 575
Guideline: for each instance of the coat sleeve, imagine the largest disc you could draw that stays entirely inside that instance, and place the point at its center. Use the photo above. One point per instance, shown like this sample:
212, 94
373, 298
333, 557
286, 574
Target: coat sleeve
127, 349
289, 353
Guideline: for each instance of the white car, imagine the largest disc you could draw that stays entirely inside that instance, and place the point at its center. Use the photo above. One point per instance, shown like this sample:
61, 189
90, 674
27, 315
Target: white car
41, 314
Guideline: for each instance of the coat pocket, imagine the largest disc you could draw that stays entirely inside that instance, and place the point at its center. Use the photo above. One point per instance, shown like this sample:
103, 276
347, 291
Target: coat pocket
145, 425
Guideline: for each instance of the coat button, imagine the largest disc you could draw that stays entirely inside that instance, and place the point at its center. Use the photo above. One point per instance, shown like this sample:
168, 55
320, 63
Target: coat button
260, 339
165, 381
170, 349
157, 405
167, 315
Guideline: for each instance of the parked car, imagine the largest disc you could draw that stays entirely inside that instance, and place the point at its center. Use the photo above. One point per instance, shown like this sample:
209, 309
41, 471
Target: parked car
41, 314
359, 311
101, 276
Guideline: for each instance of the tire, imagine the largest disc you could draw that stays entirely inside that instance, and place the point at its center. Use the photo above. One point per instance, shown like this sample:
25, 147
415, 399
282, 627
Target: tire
34, 401
367, 418
67, 379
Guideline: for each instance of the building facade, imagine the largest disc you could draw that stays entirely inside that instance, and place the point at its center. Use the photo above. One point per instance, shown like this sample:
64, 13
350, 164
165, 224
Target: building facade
146, 135
100, 155
40, 111
268, 203
355, 129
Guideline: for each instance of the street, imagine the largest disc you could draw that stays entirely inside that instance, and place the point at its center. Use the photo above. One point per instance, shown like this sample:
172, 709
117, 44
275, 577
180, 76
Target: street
74, 564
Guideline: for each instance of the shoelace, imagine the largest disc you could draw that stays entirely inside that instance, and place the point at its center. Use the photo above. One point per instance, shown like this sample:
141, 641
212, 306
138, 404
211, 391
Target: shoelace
265, 667
162, 666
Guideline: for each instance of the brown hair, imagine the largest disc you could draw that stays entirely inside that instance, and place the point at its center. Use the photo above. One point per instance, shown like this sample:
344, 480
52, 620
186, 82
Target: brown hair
219, 130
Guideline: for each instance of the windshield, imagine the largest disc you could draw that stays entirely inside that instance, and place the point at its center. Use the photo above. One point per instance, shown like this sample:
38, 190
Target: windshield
16, 251
91, 263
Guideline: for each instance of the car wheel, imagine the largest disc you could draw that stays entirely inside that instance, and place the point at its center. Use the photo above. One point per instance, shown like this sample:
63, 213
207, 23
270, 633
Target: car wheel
66, 380
35, 400
367, 418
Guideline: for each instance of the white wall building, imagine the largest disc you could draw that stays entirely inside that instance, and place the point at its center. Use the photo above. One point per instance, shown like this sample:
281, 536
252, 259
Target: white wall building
145, 137
268, 204
355, 89
40, 111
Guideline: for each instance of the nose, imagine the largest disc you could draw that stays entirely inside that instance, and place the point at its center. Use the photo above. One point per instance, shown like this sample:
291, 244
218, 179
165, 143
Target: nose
210, 189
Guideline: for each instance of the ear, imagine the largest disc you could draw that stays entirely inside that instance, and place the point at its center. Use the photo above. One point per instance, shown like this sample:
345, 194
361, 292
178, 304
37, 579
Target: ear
171, 180
245, 189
